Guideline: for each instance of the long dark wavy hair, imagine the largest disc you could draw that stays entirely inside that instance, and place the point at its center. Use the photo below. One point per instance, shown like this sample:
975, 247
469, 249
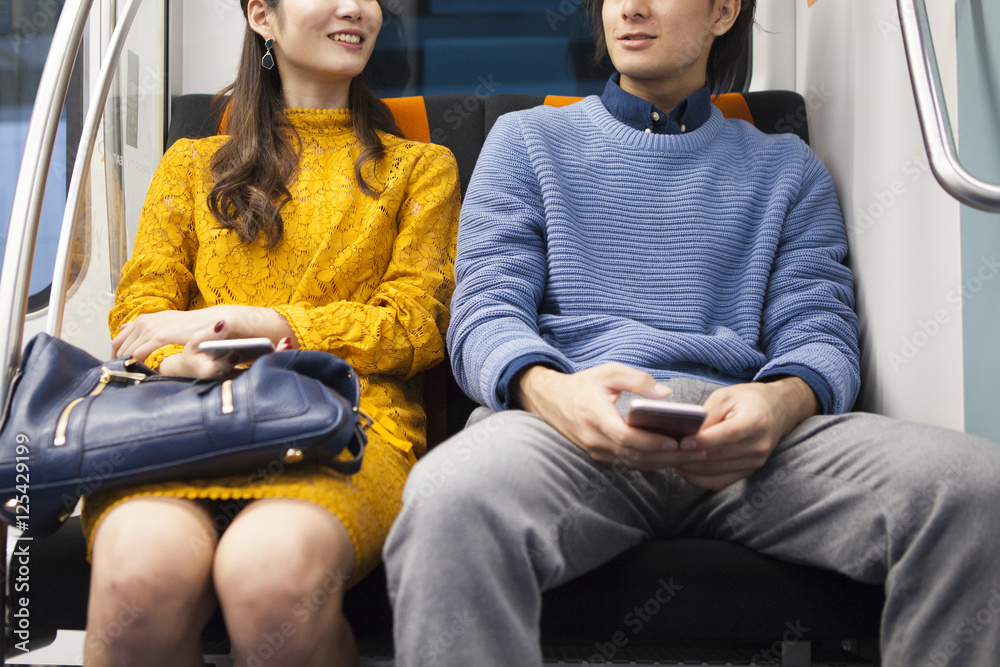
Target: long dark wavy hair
723, 59
255, 168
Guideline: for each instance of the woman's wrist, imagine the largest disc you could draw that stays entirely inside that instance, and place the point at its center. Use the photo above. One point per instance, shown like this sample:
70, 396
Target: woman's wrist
171, 365
255, 321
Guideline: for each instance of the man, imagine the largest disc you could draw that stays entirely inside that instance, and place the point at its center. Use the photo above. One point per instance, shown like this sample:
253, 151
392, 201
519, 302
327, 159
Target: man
610, 249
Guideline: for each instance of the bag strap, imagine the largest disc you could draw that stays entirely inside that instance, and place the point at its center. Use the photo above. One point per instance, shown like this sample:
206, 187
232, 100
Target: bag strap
356, 446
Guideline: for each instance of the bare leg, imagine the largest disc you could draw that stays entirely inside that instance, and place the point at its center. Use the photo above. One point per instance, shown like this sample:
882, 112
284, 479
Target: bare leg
151, 588
280, 572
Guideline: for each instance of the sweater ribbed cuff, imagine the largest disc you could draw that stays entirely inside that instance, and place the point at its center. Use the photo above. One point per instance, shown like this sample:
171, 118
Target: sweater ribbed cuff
828, 364
496, 363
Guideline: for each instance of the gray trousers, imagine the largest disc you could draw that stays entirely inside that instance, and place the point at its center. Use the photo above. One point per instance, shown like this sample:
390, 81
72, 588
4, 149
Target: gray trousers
509, 508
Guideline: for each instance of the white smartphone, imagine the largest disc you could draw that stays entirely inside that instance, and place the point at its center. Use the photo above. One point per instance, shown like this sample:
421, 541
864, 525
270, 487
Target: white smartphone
248, 348
673, 419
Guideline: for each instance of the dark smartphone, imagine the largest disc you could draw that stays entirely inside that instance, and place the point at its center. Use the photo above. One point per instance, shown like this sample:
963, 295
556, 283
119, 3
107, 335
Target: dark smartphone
673, 419
248, 348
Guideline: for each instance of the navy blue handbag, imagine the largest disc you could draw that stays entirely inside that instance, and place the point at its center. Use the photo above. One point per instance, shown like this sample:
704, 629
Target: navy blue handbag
74, 424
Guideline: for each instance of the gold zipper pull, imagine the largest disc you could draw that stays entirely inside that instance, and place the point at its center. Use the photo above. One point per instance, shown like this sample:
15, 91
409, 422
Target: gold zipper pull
63, 422
107, 377
227, 397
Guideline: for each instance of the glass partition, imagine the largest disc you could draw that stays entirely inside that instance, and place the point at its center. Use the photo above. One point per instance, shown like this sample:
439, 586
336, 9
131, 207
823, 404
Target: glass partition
128, 148
432, 47
26, 28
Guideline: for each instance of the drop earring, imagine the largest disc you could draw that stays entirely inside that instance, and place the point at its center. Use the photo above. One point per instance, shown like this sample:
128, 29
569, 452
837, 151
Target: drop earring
267, 62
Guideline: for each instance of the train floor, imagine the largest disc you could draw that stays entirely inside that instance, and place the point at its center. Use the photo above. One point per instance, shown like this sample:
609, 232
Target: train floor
67, 650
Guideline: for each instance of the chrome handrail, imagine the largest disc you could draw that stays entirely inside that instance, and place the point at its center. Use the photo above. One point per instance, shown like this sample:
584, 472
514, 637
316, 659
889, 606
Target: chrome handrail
933, 112
84, 153
30, 190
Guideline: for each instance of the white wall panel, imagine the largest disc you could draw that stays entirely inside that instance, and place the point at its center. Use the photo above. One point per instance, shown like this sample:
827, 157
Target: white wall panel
210, 40
904, 230
774, 46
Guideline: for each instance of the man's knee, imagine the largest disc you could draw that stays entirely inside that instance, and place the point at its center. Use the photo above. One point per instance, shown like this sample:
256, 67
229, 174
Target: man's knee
473, 467
444, 483
952, 470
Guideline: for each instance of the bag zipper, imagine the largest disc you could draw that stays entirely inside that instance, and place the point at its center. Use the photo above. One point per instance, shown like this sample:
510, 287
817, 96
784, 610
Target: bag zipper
107, 377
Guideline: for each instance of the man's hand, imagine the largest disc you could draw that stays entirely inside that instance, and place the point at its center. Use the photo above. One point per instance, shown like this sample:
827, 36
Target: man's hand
581, 406
151, 331
744, 424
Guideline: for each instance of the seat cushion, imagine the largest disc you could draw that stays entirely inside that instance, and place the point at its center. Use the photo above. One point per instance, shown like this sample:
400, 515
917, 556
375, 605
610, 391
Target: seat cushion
660, 591
707, 590
681, 591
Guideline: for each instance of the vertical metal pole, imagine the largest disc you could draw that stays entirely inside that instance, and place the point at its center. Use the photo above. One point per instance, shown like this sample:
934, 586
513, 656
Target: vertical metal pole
27, 208
84, 154
30, 189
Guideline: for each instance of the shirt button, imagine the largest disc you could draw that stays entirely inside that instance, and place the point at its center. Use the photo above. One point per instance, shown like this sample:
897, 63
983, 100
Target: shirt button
649, 131
683, 128
656, 116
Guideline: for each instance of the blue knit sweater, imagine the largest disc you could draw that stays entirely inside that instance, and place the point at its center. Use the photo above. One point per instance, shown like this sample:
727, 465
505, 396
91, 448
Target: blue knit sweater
716, 254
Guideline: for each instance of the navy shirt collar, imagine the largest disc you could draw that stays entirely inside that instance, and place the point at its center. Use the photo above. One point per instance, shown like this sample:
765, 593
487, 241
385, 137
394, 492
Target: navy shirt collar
637, 113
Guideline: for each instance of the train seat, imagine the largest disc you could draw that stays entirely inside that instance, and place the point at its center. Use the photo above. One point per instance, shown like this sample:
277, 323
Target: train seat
662, 593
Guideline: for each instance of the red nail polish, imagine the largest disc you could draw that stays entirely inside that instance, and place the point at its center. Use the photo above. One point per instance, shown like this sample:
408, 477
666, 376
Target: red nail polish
219, 325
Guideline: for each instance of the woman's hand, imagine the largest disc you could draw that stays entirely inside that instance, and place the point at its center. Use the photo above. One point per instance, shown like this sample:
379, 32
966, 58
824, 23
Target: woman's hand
151, 331
192, 363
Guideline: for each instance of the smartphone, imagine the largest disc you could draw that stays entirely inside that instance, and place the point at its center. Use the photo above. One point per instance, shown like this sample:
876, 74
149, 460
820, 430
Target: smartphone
248, 348
673, 419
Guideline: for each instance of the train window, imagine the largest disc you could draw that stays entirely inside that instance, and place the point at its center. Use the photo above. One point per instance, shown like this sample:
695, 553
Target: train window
26, 28
433, 47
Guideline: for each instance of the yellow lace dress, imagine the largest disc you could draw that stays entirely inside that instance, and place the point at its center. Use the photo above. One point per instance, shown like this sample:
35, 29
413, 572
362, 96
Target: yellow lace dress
367, 279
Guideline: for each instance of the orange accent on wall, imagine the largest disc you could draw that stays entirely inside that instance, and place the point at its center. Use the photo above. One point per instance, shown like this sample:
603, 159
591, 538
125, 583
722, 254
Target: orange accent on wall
812, 2
560, 100
411, 117
411, 114
733, 105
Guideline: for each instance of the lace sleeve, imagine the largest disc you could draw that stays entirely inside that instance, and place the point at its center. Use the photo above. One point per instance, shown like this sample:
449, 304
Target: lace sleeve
159, 274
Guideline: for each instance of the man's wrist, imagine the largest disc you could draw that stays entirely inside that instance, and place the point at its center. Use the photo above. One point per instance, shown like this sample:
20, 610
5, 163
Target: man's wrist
527, 386
796, 399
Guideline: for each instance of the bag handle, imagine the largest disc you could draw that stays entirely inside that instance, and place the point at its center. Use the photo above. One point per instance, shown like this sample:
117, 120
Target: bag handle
356, 446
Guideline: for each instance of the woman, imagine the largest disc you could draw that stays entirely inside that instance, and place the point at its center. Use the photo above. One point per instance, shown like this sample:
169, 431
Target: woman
316, 225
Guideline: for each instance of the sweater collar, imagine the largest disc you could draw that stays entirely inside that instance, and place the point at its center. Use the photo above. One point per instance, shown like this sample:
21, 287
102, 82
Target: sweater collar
651, 142
639, 114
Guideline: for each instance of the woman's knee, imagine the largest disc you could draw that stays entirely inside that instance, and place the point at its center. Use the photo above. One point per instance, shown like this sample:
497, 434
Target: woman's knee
151, 576
283, 567
151, 550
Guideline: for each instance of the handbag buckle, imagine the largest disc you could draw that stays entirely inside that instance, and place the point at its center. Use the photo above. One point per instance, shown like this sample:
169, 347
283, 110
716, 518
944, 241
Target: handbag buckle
366, 421
108, 376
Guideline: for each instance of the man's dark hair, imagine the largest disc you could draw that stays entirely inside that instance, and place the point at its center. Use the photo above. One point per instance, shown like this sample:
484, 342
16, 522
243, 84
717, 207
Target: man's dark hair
724, 58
